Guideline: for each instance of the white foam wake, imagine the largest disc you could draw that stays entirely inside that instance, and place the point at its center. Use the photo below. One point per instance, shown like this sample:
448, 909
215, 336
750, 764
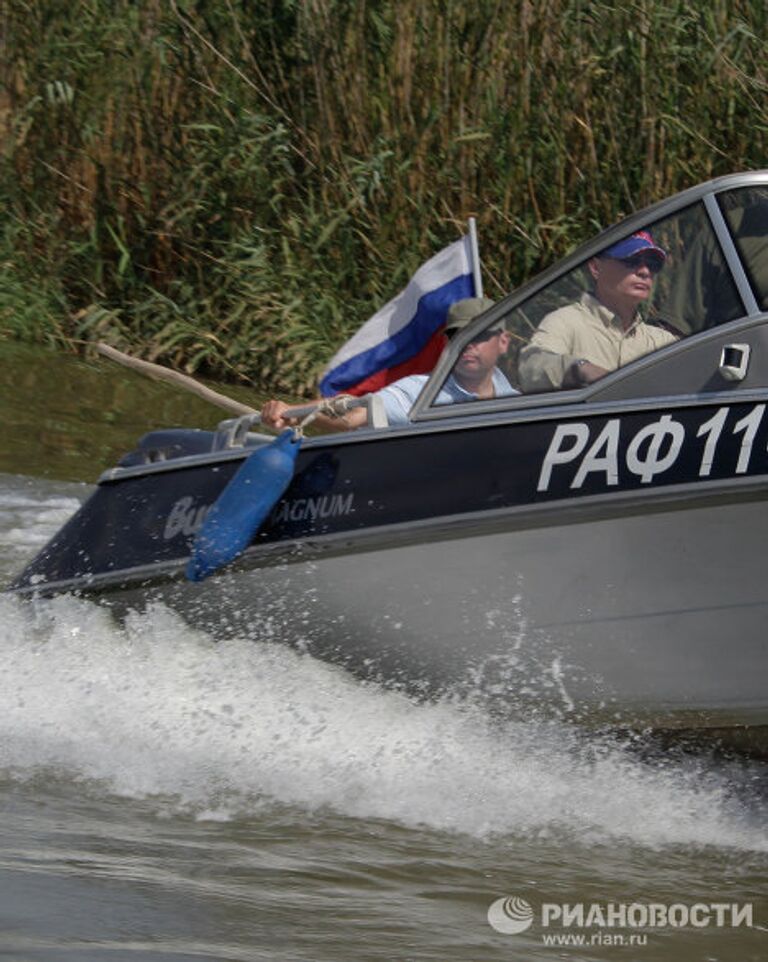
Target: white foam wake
31, 512
156, 709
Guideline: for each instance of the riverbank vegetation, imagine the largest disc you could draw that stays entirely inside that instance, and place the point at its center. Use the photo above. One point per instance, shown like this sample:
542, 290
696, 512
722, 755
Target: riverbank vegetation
232, 187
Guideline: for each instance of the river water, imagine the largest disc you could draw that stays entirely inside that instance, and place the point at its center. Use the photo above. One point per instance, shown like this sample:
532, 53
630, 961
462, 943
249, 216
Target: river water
167, 795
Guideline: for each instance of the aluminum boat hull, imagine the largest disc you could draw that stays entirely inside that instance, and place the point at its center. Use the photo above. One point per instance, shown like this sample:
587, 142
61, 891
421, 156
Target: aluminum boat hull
632, 620
637, 604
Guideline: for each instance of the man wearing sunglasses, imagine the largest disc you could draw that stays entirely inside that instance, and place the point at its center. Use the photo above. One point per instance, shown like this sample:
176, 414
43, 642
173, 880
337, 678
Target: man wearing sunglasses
603, 330
475, 375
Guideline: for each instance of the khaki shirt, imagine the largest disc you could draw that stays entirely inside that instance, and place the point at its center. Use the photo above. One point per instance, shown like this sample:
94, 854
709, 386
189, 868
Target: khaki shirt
589, 330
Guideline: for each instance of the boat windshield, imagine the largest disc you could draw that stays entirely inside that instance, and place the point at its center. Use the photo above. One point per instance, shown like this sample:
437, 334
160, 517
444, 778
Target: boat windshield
688, 288
746, 212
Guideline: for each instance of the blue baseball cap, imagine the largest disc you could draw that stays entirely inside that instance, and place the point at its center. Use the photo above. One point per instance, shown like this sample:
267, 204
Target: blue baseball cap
636, 244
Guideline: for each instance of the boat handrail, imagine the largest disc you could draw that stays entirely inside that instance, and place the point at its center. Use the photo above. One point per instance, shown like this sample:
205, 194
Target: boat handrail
234, 432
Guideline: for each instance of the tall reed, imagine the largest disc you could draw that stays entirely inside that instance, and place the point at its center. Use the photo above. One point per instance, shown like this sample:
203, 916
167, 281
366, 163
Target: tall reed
233, 187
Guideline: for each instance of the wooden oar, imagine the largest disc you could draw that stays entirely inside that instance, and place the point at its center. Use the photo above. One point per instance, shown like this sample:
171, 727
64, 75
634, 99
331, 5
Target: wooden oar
160, 373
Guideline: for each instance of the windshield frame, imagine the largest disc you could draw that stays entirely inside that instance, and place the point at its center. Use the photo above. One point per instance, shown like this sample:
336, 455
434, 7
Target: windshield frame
706, 193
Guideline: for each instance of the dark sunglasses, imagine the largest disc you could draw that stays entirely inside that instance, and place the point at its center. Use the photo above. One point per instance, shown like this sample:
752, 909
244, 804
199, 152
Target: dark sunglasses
653, 264
480, 338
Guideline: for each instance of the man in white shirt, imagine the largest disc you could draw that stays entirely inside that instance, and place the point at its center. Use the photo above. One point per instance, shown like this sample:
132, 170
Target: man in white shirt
474, 376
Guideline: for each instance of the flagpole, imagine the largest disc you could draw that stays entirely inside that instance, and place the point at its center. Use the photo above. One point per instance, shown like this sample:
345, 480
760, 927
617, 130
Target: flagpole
475, 255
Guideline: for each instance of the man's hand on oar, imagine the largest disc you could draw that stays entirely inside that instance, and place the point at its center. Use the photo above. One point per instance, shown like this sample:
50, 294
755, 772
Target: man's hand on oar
277, 415
340, 413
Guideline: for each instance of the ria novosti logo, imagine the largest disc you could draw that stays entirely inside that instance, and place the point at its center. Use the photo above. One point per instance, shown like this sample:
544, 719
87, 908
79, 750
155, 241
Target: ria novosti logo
513, 915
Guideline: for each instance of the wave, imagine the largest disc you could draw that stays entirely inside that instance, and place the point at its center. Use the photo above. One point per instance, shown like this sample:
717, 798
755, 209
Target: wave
31, 512
153, 709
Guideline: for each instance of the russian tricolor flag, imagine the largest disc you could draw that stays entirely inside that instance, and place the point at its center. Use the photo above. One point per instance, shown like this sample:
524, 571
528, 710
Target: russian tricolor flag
405, 336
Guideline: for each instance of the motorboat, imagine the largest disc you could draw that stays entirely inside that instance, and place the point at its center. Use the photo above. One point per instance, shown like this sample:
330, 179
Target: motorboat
592, 551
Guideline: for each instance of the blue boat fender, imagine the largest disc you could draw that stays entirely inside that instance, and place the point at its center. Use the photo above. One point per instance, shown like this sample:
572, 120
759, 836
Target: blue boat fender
244, 505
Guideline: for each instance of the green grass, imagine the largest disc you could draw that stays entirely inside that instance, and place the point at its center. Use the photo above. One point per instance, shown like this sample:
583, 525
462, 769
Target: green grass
233, 187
